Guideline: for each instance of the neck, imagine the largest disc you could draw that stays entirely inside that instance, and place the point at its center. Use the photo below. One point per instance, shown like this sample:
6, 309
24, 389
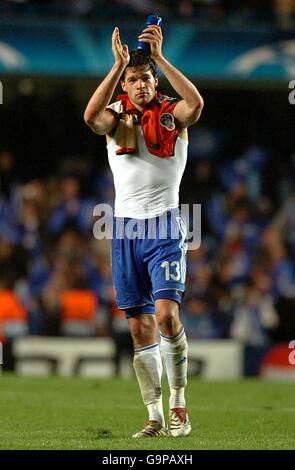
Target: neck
138, 107
142, 108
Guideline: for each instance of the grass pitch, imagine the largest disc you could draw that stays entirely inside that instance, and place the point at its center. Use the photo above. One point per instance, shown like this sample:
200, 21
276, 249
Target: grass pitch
59, 413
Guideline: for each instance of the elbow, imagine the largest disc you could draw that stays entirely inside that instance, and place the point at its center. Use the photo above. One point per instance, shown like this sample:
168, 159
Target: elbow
195, 100
93, 121
198, 103
88, 118
201, 104
196, 107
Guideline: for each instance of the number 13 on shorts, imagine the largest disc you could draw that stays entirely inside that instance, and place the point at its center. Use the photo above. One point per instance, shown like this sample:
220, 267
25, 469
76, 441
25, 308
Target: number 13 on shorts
172, 270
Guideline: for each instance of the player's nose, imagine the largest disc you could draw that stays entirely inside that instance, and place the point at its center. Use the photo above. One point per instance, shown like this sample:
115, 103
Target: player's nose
139, 84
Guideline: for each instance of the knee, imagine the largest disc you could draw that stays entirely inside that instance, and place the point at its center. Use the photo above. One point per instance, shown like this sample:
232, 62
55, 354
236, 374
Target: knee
137, 331
167, 319
143, 330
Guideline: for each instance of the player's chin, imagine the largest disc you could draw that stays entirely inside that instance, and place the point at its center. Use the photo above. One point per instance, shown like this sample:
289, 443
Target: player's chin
143, 99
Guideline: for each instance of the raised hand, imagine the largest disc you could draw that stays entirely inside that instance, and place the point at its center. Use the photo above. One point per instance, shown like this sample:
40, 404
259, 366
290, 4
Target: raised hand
153, 36
121, 53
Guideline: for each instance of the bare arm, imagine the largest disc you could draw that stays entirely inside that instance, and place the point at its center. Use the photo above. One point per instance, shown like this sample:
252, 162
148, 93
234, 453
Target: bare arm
96, 116
188, 110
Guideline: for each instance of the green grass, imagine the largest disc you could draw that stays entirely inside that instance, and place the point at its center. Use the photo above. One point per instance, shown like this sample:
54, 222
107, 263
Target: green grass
59, 413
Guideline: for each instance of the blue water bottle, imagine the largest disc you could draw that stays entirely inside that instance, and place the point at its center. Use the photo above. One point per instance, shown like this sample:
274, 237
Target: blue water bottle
151, 19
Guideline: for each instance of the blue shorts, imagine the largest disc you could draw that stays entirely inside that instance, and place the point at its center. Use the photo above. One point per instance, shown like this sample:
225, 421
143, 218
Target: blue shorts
148, 260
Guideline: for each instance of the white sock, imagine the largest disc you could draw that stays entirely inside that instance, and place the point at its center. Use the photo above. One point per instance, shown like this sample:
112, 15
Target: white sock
177, 399
148, 367
174, 351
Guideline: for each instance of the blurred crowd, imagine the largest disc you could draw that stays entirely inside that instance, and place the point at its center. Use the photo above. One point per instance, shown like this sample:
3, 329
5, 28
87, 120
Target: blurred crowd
55, 276
280, 12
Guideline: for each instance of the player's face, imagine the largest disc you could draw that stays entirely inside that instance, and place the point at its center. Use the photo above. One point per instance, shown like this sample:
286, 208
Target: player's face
140, 85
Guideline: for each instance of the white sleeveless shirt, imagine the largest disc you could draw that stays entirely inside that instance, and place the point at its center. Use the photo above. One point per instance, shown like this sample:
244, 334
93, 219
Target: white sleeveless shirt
146, 185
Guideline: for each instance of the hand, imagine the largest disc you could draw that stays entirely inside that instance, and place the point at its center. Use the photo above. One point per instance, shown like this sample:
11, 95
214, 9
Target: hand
153, 36
121, 53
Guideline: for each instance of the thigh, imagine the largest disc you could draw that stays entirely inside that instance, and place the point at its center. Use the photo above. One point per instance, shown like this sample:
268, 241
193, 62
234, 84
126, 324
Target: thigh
130, 275
167, 267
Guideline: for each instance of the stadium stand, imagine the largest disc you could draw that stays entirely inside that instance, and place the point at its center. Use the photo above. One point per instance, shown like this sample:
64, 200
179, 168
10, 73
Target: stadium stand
241, 282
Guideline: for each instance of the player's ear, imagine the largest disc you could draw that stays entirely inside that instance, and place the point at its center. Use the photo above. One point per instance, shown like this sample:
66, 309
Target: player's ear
156, 82
123, 85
